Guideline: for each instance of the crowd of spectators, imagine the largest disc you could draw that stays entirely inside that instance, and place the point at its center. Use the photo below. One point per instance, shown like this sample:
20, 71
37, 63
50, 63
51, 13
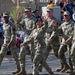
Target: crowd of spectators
65, 5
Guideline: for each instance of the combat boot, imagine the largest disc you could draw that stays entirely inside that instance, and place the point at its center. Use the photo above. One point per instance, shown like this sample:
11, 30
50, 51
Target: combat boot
17, 70
22, 71
34, 74
66, 67
51, 73
40, 67
69, 71
74, 71
61, 67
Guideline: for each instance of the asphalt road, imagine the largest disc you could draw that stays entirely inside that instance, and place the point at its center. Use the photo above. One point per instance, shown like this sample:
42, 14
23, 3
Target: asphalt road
8, 65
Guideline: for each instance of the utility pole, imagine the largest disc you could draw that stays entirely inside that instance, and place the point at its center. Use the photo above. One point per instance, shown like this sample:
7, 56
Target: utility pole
18, 4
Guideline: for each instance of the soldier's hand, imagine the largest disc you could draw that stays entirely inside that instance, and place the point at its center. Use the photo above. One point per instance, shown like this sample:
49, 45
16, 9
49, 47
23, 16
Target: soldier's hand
50, 40
67, 42
54, 23
22, 44
9, 44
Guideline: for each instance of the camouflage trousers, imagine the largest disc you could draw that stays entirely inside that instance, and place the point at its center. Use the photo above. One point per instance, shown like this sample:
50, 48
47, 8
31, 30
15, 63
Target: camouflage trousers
73, 54
50, 47
23, 52
36, 61
22, 55
13, 49
62, 49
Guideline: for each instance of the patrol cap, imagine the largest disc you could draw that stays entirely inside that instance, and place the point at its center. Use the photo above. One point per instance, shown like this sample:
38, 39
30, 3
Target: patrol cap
39, 19
5, 14
26, 10
49, 9
66, 13
34, 11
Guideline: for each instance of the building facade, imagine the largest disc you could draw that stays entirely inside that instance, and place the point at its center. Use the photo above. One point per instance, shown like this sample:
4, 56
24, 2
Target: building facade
7, 5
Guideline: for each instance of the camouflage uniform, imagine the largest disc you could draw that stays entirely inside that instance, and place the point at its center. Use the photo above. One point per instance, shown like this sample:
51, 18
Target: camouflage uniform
29, 25
55, 44
39, 45
73, 50
9, 35
67, 29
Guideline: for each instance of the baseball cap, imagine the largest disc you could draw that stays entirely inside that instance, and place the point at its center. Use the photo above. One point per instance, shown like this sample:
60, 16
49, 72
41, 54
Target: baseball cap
66, 13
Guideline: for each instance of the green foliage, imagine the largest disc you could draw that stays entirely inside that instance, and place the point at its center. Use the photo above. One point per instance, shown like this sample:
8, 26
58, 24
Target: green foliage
14, 13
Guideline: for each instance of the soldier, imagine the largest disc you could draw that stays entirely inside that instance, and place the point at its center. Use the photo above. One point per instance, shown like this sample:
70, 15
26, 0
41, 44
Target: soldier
9, 40
73, 55
66, 28
29, 25
37, 36
73, 46
53, 24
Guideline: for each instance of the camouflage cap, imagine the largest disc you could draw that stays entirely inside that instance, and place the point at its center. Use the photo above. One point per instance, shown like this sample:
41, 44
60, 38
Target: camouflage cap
66, 13
49, 9
34, 11
39, 19
5, 14
27, 9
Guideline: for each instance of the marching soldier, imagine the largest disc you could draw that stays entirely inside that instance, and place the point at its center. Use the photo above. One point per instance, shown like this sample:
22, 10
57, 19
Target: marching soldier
53, 24
73, 46
29, 25
37, 36
66, 28
9, 40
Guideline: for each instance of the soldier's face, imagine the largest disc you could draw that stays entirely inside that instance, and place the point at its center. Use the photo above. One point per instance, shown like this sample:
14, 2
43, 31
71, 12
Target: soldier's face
6, 18
50, 13
39, 24
27, 12
66, 17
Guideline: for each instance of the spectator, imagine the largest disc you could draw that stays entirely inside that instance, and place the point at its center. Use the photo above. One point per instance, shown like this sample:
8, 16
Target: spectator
62, 4
22, 35
18, 41
51, 4
1, 30
69, 7
36, 14
19, 18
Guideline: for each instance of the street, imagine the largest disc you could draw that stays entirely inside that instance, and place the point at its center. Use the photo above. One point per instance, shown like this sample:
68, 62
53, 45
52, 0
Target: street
8, 65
